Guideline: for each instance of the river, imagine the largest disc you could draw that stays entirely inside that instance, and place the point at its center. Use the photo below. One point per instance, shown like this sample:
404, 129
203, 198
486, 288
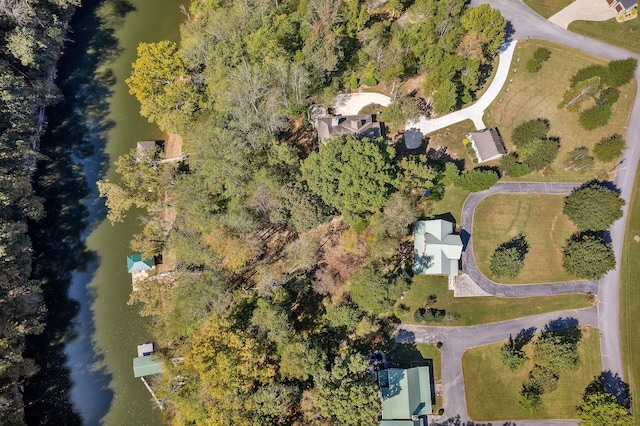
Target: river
106, 330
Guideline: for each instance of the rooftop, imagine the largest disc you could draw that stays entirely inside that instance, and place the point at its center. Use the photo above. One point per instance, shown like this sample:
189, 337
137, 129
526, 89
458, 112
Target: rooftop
406, 394
359, 126
436, 250
487, 144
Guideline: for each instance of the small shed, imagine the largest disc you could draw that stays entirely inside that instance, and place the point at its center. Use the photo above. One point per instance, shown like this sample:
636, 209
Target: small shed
146, 349
487, 144
150, 146
146, 366
413, 138
135, 263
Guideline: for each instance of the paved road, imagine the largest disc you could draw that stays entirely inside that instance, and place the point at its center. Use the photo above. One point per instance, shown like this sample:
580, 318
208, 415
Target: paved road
456, 340
475, 111
503, 290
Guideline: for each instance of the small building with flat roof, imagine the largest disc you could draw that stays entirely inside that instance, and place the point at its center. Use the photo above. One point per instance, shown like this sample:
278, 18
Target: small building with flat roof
406, 396
146, 366
487, 144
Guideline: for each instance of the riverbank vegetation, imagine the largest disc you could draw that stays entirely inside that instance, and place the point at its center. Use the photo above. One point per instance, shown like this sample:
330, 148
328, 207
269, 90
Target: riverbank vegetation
32, 34
291, 257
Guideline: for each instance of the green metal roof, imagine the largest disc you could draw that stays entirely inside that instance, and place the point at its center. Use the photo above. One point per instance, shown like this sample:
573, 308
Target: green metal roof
436, 250
135, 263
405, 393
146, 366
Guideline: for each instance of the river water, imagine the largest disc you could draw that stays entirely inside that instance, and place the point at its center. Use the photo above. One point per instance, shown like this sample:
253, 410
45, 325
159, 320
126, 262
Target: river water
107, 329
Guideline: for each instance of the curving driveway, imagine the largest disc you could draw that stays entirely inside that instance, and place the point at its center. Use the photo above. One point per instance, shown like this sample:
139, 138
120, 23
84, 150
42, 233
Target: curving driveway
525, 23
504, 290
475, 111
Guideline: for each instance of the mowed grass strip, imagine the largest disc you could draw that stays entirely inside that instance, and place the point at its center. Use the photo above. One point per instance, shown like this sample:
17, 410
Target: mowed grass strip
500, 217
480, 310
493, 391
537, 95
630, 299
623, 34
548, 8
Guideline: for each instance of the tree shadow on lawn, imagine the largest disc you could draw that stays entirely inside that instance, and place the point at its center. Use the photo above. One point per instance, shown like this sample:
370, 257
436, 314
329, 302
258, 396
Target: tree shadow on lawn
608, 382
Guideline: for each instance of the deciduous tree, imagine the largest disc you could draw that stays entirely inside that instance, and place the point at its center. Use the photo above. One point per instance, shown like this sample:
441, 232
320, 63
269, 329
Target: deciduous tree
593, 207
588, 256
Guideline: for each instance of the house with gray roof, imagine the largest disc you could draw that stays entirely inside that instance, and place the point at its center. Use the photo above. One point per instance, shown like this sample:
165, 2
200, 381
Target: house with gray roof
622, 6
359, 126
487, 144
406, 396
436, 249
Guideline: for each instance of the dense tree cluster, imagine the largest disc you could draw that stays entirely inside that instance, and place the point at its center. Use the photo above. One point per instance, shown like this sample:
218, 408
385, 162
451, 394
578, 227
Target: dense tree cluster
282, 248
594, 89
554, 351
32, 34
533, 146
593, 207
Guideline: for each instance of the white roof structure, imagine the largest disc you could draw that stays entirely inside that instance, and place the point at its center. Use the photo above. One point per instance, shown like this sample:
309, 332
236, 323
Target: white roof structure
436, 250
145, 349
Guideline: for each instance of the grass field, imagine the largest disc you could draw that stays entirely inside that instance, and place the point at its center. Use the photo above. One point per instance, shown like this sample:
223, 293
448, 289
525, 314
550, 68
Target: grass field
548, 8
451, 138
452, 202
625, 34
537, 95
630, 299
539, 217
493, 390
480, 310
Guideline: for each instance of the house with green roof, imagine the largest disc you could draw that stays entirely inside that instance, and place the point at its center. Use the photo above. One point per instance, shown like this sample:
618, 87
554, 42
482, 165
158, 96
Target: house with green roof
436, 249
135, 263
406, 396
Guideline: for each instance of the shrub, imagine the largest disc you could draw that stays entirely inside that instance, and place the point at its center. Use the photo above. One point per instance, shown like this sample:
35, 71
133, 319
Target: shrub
538, 153
578, 159
589, 72
609, 148
542, 54
620, 72
594, 117
533, 65
418, 315
508, 259
510, 165
441, 411
439, 345
593, 207
369, 81
608, 96
529, 130
477, 180
353, 81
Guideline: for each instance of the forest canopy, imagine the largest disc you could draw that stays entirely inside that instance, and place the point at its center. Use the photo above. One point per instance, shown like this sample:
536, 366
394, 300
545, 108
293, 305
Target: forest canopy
275, 238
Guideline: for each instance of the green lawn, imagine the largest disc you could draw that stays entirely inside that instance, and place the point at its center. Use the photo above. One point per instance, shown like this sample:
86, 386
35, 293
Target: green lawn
630, 299
493, 390
452, 202
451, 138
539, 217
548, 8
624, 34
537, 95
480, 310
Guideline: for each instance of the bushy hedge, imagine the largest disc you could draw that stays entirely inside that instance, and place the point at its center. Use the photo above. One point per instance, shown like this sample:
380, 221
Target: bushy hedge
477, 180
